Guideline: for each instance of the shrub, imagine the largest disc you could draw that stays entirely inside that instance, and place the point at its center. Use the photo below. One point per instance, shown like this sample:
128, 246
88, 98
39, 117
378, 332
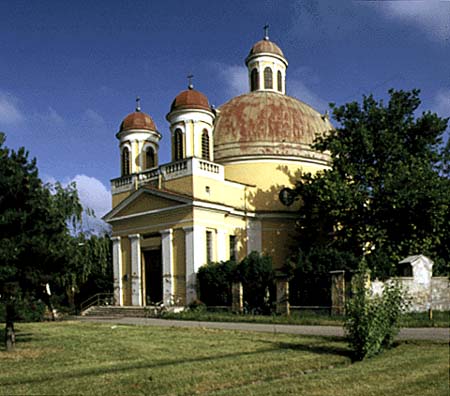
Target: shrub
372, 322
24, 310
257, 277
214, 282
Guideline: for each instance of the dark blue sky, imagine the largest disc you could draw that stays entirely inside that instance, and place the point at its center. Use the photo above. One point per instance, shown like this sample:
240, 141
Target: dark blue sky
70, 70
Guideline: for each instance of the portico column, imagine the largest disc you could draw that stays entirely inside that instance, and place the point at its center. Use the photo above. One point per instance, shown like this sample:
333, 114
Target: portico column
221, 245
167, 266
136, 272
117, 270
195, 242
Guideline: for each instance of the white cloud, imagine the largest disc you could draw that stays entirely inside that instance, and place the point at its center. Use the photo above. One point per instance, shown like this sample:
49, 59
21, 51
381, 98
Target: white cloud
299, 90
92, 117
9, 111
93, 194
51, 118
442, 103
235, 78
432, 16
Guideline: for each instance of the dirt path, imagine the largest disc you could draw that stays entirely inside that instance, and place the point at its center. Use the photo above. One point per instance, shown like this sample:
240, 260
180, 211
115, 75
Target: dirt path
423, 333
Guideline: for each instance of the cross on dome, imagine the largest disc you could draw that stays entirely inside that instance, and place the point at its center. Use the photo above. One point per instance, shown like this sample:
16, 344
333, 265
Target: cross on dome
138, 103
266, 32
190, 77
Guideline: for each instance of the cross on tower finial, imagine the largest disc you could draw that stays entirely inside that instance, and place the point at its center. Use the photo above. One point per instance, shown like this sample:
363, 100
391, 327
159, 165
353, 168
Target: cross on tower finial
266, 32
138, 103
190, 77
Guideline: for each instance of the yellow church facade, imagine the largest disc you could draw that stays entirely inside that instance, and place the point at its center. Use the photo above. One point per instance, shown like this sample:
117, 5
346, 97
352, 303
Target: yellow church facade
225, 192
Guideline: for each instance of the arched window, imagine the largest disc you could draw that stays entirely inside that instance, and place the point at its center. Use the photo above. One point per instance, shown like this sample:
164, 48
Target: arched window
279, 82
268, 83
254, 80
125, 162
205, 145
150, 160
178, 144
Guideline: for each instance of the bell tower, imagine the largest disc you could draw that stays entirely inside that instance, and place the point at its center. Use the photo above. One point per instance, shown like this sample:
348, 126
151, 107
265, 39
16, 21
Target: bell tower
138, 142
266, 66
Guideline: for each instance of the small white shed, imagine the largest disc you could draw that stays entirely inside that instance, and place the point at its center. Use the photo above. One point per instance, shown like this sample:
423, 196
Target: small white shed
419, 267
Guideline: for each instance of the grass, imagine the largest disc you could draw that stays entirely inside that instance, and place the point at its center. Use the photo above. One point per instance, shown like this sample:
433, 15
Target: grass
99, 359
416, 319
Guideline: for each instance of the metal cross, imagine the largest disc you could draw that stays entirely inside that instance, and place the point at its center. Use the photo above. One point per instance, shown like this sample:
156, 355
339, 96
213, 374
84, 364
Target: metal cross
266, 32
138, 103
190, 77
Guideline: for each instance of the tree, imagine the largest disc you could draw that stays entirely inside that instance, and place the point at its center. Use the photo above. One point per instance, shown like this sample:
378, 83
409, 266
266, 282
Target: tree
35, 240
387, 191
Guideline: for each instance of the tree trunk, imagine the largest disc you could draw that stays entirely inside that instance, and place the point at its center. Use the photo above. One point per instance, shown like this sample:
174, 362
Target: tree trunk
10, 334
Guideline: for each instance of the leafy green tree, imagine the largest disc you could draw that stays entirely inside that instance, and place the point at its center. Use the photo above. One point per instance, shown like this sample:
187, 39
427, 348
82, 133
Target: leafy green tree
35, 241
387, 190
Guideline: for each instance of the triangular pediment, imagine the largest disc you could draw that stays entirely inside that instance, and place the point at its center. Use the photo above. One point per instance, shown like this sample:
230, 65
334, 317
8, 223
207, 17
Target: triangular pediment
145, 201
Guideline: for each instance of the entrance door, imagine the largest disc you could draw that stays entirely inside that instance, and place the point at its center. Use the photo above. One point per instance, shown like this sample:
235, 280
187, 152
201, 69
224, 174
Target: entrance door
153, 276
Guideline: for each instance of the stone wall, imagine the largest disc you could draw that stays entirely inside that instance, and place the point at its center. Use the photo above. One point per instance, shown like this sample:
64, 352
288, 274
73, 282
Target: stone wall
433, 294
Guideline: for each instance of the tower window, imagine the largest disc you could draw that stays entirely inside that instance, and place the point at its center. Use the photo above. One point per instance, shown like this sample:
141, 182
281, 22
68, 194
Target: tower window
268, 83
178, 144
205, 145
233, 247
279, 82
125, 162
254, 80
150, 160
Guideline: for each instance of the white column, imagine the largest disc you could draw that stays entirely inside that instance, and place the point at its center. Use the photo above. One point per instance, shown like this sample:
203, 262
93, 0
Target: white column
136, 272
195, 242
117, 271
254, 236
222, 245
167, 266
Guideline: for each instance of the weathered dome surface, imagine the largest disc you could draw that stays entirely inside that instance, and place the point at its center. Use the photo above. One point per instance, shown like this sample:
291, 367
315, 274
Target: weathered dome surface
190, 99
265, 46
137, 120
264, 123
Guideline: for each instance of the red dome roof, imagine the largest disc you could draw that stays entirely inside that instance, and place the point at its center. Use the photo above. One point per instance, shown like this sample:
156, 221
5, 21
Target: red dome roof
137, 120
267, 123
190, 99
265, 46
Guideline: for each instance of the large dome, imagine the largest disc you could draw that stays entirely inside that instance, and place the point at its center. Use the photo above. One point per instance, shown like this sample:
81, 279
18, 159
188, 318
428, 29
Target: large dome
270, 124
265, 46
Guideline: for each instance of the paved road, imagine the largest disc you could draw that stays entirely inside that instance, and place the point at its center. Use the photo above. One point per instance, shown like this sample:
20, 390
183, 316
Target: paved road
425, 333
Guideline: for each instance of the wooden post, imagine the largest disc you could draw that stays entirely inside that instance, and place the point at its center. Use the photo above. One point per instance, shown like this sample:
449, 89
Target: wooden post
337, 292
237, 296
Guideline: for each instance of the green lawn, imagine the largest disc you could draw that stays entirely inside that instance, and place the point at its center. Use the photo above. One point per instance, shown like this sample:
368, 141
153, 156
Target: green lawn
96, 359
416, 319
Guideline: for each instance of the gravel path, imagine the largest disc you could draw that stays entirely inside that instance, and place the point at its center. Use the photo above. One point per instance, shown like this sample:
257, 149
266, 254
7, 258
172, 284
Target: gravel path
423, 333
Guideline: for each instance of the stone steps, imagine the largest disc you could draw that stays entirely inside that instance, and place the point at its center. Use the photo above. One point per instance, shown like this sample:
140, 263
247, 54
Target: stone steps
111, 311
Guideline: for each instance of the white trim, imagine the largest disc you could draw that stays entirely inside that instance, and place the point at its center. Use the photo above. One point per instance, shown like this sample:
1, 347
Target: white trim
117, 270
195, 258
148, 212
136, 270
167, 266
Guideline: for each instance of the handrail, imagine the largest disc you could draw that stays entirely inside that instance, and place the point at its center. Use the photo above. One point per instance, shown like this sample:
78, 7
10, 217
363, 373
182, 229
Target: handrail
96, 299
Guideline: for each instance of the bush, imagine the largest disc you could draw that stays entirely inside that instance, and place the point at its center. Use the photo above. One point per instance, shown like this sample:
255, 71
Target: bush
257, 277
24, 310
214, 282
372, 322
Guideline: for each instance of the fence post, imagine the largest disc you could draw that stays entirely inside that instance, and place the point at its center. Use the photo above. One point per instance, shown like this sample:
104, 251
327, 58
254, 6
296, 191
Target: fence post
237, 297
282, 285
337, 292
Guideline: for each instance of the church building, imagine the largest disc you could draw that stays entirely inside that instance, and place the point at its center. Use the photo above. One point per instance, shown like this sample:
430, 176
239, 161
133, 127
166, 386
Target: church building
226, 191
